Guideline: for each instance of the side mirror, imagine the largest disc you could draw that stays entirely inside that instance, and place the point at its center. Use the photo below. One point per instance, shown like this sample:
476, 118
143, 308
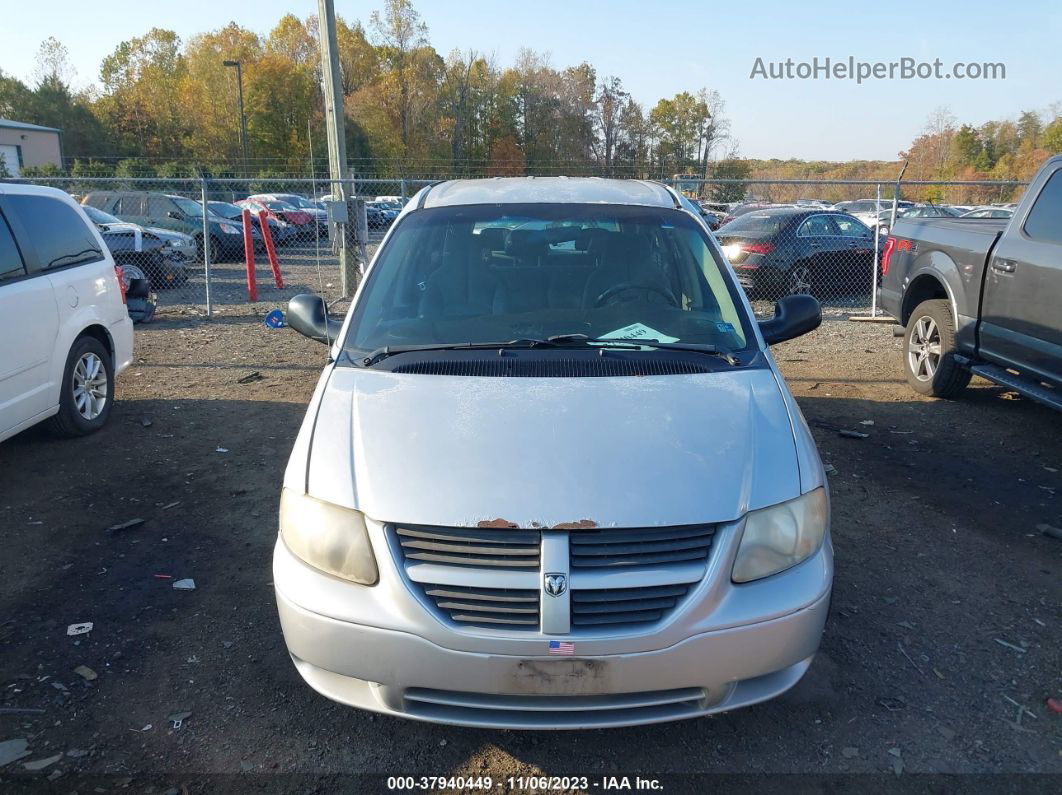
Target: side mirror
176, 216
793, 315
307, 315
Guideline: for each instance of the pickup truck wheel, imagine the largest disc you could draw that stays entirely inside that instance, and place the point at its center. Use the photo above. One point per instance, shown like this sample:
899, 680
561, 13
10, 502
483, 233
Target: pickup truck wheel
929, 352
87, 390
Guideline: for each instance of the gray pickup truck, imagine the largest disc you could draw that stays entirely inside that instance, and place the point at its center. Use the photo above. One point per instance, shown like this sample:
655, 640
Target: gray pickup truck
982, 296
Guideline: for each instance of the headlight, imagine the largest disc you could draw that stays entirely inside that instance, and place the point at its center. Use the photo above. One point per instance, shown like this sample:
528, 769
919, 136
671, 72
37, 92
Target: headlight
328, 537
229, 230
781, 536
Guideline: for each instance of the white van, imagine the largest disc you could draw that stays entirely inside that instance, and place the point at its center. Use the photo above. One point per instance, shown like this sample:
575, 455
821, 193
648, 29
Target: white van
63, 320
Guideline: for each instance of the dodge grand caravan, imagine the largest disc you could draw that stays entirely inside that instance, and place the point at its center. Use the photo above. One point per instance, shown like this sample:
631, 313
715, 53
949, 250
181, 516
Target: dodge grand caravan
551, 476
63, 317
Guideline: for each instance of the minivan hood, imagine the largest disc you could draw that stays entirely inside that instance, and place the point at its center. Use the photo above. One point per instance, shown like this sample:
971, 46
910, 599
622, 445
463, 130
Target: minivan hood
615, 452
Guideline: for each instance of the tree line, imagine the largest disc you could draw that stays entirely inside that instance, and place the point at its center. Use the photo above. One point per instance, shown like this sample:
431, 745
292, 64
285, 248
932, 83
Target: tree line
165, 107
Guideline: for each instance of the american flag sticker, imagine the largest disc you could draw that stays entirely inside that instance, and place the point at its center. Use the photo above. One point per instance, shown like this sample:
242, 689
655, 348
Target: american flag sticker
562, 647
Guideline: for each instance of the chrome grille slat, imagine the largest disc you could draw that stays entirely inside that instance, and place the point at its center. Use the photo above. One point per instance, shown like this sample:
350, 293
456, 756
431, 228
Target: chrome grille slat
496, 607
483, 595
640, 617
609, 607
475, 618
466, 548
639, 534
492, 536
471, 547
486, 606
644, 547
640, 547
628, 594
601, 559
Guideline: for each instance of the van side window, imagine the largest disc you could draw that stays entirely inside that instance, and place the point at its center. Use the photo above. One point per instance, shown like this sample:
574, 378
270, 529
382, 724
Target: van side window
59, 235
129, 205
159, 206
1045, 218
10, 259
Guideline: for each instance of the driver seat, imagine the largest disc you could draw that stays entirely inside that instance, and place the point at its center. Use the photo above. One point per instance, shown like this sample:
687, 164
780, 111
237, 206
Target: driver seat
627, 259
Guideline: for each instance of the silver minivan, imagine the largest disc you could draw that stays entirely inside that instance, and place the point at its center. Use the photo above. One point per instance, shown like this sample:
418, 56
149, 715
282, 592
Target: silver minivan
551, 476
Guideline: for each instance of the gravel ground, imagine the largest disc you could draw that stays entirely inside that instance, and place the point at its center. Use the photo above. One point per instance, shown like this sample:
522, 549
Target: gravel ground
941, 650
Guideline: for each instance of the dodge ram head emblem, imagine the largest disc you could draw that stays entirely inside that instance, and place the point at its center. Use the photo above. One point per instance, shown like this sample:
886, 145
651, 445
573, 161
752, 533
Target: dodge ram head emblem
555, 583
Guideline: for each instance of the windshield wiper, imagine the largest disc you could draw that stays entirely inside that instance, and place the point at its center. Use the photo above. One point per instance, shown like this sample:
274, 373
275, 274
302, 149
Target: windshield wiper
380, 354
711, 350
555, 341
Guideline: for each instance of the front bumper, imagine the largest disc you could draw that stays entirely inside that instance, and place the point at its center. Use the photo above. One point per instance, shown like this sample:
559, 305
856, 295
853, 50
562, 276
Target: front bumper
379, 649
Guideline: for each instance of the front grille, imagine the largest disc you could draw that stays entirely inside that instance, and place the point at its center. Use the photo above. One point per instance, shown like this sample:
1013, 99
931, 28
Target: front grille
460, 546
486, 607
610, 548
491, 577
625, 605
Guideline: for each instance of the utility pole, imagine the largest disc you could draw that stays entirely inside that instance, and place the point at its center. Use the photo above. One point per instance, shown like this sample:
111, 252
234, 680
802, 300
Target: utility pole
337, 142
243, 116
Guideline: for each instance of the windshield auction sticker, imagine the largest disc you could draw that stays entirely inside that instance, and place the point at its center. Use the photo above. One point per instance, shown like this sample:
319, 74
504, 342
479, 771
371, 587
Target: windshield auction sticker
637, 331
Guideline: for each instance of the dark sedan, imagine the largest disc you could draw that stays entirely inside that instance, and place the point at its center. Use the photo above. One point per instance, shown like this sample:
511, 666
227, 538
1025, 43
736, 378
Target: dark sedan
788, 250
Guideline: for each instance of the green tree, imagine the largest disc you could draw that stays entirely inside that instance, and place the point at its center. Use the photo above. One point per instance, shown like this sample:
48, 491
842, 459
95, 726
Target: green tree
141, 99
1030, 125
967, 144
1051, 137
730, 191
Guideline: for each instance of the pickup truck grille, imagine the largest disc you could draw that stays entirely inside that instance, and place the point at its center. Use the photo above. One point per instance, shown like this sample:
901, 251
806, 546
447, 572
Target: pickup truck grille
492, 578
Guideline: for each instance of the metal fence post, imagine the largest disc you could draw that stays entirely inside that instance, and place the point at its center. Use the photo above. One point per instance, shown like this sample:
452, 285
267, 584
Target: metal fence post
877, 238
206, 246
402, 185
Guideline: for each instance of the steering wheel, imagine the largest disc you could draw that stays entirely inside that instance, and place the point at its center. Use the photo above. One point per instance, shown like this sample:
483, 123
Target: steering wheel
623, 286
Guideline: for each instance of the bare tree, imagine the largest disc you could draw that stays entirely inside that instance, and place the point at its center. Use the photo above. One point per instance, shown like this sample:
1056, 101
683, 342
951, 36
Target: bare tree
608, 106
52, 63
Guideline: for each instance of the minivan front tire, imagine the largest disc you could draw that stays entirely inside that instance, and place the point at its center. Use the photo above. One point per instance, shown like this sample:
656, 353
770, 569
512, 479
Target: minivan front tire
87, 390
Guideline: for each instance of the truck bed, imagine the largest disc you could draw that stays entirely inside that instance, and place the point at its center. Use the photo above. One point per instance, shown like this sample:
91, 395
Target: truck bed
964, 239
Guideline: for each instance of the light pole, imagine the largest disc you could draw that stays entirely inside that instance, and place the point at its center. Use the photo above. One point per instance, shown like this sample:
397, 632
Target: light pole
243, 117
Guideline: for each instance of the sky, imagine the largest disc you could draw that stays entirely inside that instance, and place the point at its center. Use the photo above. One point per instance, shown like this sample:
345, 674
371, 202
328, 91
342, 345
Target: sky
661, 48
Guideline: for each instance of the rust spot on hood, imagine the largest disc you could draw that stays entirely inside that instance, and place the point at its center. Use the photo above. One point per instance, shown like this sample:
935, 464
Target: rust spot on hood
582, 524
498, 523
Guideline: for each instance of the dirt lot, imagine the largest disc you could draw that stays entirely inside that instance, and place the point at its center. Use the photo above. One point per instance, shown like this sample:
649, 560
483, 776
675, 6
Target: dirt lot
942, 647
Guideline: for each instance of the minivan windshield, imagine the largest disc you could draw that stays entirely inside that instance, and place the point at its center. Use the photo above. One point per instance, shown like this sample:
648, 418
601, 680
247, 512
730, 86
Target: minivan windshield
492, 273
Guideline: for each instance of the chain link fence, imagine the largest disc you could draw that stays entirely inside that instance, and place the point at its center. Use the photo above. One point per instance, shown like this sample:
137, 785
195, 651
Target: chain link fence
188, 239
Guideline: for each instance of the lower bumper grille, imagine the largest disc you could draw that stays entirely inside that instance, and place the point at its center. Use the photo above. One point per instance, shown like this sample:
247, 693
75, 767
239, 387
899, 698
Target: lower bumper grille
547, 712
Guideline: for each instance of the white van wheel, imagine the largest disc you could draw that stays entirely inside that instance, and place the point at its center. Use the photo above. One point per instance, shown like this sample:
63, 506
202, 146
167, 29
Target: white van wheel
87, 389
